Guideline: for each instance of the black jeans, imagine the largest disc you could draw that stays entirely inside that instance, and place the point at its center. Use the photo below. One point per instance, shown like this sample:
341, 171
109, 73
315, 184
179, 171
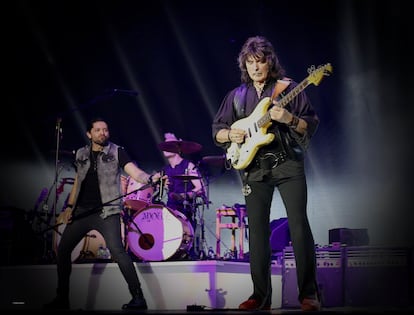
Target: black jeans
293, 191
110, 228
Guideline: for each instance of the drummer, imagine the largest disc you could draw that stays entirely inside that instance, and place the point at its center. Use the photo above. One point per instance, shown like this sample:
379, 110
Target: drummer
184, 180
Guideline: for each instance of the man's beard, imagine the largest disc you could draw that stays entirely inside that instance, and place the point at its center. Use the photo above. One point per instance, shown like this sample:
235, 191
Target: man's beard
102, 143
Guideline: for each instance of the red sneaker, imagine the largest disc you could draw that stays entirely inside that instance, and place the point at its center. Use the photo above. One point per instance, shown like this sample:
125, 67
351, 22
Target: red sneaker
253, 304
310, 305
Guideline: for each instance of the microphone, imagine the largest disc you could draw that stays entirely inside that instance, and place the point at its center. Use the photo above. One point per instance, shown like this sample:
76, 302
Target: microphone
162, 184
126, 92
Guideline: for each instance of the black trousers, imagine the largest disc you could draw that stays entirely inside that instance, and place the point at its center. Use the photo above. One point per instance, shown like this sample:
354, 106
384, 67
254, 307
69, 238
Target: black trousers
293, 191
110, 228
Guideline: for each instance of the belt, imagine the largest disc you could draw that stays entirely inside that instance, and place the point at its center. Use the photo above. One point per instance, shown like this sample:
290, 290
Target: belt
270, 160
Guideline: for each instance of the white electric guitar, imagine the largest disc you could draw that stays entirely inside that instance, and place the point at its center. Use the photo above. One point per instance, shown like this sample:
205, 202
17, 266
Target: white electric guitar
257, 123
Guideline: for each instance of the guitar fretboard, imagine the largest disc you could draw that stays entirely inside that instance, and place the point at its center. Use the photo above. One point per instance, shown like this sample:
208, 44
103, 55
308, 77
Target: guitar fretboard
265, 119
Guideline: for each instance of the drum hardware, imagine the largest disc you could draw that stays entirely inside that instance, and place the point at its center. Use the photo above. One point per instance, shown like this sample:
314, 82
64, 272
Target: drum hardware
202, 244
180, 147
185, 177
158, 195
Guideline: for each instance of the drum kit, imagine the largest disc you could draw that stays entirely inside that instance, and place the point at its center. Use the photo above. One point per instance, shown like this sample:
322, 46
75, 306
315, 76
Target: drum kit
155, 232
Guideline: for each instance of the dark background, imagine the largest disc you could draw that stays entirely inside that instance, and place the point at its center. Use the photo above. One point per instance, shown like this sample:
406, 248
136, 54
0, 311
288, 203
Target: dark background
66, 58
63, 60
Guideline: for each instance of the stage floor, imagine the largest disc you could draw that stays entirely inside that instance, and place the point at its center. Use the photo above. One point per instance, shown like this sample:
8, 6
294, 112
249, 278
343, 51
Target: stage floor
216, 286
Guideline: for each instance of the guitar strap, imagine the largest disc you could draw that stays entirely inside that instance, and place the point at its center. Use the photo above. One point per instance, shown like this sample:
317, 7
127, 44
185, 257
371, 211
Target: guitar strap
239, 101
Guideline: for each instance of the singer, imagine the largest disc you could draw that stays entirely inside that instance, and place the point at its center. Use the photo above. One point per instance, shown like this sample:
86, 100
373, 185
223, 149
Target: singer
97, 186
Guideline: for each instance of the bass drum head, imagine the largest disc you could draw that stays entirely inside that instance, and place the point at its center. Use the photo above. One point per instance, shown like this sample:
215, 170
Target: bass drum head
158, 233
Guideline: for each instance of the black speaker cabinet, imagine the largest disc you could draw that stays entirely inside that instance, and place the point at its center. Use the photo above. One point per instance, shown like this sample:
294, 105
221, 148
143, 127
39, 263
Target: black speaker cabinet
349, 237
279, 234
377, 276
329, 277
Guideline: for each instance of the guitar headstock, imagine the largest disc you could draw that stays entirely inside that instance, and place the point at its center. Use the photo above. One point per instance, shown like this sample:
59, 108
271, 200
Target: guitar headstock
316, 74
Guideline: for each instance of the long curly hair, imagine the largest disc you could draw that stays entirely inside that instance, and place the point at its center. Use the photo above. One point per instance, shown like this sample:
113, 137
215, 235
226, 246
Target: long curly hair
259, 48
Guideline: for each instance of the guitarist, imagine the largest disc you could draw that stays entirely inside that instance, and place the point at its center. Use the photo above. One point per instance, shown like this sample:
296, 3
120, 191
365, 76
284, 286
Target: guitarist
278, 164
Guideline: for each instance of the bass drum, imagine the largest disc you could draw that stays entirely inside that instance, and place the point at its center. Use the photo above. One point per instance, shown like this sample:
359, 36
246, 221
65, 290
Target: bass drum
137, 199
87, 248
158, 233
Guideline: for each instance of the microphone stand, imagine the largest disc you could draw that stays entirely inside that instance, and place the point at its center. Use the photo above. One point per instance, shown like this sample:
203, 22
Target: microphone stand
58, 138
48, 243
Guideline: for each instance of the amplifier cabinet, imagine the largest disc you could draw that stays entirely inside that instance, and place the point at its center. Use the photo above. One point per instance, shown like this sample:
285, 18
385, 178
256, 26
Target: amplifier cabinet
377, 276
280, 234
329, 277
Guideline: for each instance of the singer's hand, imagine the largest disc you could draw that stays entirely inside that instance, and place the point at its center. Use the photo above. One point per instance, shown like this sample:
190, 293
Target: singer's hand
157, 177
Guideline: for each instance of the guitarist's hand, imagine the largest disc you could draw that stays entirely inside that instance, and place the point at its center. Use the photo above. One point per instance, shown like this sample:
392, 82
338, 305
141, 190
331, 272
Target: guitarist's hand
280, 114
237, 135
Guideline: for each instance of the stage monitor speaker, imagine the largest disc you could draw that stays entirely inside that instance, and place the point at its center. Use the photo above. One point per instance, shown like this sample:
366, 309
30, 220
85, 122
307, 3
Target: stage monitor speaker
378, 276
350, 237
329, 277
279, 234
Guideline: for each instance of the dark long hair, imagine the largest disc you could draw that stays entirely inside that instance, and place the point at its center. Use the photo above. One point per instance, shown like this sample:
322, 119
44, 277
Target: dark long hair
259, 48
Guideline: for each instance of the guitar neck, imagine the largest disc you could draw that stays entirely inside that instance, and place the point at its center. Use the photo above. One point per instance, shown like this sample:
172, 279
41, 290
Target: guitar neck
293, 93
265, 119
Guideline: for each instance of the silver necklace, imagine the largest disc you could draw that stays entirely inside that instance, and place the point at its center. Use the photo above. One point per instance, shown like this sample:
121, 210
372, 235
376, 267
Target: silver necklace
259, 89
94, 156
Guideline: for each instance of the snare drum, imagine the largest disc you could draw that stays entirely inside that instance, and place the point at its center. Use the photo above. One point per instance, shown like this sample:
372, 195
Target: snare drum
158, 233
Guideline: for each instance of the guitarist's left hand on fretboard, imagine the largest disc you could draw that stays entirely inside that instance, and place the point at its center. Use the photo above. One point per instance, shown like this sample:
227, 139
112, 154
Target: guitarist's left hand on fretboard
280, 114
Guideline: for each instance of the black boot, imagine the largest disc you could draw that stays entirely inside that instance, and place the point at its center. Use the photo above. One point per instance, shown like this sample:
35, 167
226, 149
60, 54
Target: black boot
58, 303
138, 301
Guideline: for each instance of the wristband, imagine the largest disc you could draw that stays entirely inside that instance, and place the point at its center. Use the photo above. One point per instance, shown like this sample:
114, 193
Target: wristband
294, 122
228, 135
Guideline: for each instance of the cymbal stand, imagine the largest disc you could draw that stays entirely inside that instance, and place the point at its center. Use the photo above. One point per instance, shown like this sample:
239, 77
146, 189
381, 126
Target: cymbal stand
186, 201
58, 138
202, 245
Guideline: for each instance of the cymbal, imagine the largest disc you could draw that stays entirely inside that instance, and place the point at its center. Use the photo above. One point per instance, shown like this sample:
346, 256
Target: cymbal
180, 146
185, 177
214, 160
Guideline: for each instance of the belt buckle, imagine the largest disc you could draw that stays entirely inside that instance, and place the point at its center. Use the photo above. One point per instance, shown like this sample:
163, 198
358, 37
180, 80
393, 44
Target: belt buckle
271, 160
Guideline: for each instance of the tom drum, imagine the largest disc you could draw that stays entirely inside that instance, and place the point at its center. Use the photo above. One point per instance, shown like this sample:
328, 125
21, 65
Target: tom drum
137, 199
